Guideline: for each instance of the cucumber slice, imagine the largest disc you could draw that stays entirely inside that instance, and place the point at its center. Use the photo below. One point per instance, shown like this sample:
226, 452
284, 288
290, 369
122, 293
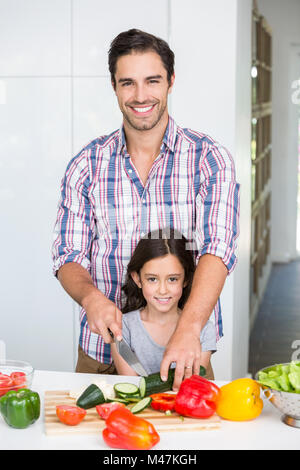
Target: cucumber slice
126, 389
119, 400
141, 405
142, 387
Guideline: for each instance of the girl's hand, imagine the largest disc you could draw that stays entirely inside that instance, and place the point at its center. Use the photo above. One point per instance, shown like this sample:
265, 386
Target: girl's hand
184, 348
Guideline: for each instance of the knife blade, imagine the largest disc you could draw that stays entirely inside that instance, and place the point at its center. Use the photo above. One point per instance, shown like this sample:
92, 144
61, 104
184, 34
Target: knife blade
129, 356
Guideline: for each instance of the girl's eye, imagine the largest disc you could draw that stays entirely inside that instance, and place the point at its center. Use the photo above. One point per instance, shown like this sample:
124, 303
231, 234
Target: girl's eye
173, 279
151, 279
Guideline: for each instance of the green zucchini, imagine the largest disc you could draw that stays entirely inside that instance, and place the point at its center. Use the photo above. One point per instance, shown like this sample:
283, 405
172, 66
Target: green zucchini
153, 383
91, 397
141, 405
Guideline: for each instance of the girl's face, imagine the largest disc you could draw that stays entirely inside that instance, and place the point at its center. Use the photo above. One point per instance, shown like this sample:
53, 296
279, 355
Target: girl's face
162, 281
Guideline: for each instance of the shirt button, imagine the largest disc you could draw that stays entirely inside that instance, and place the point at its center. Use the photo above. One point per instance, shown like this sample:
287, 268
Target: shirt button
129, 171
142, 234
144, 201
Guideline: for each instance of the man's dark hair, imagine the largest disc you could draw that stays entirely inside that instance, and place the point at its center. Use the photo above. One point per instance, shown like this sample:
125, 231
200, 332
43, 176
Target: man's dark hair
140, 41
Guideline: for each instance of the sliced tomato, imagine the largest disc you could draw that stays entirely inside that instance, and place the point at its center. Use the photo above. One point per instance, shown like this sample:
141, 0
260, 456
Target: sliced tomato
70, 415
6, 384
19, 379
105, 409
163, 401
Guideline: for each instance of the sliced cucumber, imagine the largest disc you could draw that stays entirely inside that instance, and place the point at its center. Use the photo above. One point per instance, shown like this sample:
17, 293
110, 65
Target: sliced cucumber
141, 405
142, 387
126, 389
119, 400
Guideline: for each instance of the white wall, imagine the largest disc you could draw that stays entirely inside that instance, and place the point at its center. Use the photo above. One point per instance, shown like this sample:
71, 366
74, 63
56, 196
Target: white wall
284, 19
57, 97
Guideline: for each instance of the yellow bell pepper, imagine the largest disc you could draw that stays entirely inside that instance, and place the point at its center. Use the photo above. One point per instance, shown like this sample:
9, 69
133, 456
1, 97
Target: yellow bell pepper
240, 400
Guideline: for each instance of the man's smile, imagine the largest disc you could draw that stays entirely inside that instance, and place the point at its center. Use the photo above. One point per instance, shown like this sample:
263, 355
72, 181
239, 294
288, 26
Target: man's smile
142, 111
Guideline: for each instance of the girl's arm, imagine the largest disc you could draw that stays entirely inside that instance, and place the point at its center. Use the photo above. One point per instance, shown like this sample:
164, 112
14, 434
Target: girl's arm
121, 365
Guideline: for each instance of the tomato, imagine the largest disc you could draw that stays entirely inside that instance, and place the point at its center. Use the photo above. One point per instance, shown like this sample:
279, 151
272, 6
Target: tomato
70, 415
19, 379
6, 384
105, 409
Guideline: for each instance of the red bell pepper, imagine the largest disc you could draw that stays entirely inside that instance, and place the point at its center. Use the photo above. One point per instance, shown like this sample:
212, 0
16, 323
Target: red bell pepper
197, 397
124, 430
163, 401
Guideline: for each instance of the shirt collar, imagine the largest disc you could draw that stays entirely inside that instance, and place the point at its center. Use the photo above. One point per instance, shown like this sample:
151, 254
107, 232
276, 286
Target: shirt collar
169, 138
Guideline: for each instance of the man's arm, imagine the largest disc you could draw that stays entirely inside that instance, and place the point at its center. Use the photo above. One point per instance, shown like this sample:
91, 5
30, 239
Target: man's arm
208, 282
101, 312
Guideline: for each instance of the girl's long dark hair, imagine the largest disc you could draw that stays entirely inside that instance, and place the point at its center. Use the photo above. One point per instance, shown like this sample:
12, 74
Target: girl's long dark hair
158, 243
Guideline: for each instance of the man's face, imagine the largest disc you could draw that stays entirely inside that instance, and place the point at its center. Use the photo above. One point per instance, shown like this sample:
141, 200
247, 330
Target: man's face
142, 89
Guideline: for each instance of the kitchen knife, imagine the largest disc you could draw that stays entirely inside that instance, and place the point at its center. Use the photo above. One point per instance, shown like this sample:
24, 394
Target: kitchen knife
129, 356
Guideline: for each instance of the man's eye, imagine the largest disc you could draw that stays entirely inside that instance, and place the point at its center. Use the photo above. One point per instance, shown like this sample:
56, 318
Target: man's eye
126, 83
153, 81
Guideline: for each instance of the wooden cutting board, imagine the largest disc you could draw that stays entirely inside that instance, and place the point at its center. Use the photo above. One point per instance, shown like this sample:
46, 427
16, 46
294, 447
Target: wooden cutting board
93, 424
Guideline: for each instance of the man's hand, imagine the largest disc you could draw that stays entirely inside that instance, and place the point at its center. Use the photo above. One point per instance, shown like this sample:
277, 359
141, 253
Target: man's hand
184, 348
102, 314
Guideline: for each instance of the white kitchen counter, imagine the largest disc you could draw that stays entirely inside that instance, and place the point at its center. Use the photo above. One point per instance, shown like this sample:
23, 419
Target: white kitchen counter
265, 432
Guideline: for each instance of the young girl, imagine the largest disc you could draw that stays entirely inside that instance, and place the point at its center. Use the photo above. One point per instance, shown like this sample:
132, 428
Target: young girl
158, 282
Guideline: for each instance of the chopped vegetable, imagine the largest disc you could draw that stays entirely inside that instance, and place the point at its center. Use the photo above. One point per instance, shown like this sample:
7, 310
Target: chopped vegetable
91, 397
141, 405
282, 377
105, 409
124, 430
20, 408
14, 381
163, 401
240, 400
6, 384
126, 389
70, 415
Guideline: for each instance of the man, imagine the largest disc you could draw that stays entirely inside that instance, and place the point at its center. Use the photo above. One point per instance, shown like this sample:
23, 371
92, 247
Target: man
149, 174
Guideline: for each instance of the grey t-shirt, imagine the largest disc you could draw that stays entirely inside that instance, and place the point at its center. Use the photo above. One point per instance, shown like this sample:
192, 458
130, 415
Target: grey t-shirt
150, 353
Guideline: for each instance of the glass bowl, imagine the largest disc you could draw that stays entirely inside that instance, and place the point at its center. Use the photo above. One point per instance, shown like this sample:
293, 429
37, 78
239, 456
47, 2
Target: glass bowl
288, 403
14, 375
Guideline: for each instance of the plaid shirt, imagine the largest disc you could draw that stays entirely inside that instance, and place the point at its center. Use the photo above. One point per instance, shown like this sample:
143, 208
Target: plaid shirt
105, 209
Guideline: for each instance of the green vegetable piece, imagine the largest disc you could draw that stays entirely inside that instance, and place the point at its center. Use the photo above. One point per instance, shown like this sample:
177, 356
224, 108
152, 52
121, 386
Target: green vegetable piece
273, 374
294, 378
284, 382
20, 408
272, 383
92, 396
